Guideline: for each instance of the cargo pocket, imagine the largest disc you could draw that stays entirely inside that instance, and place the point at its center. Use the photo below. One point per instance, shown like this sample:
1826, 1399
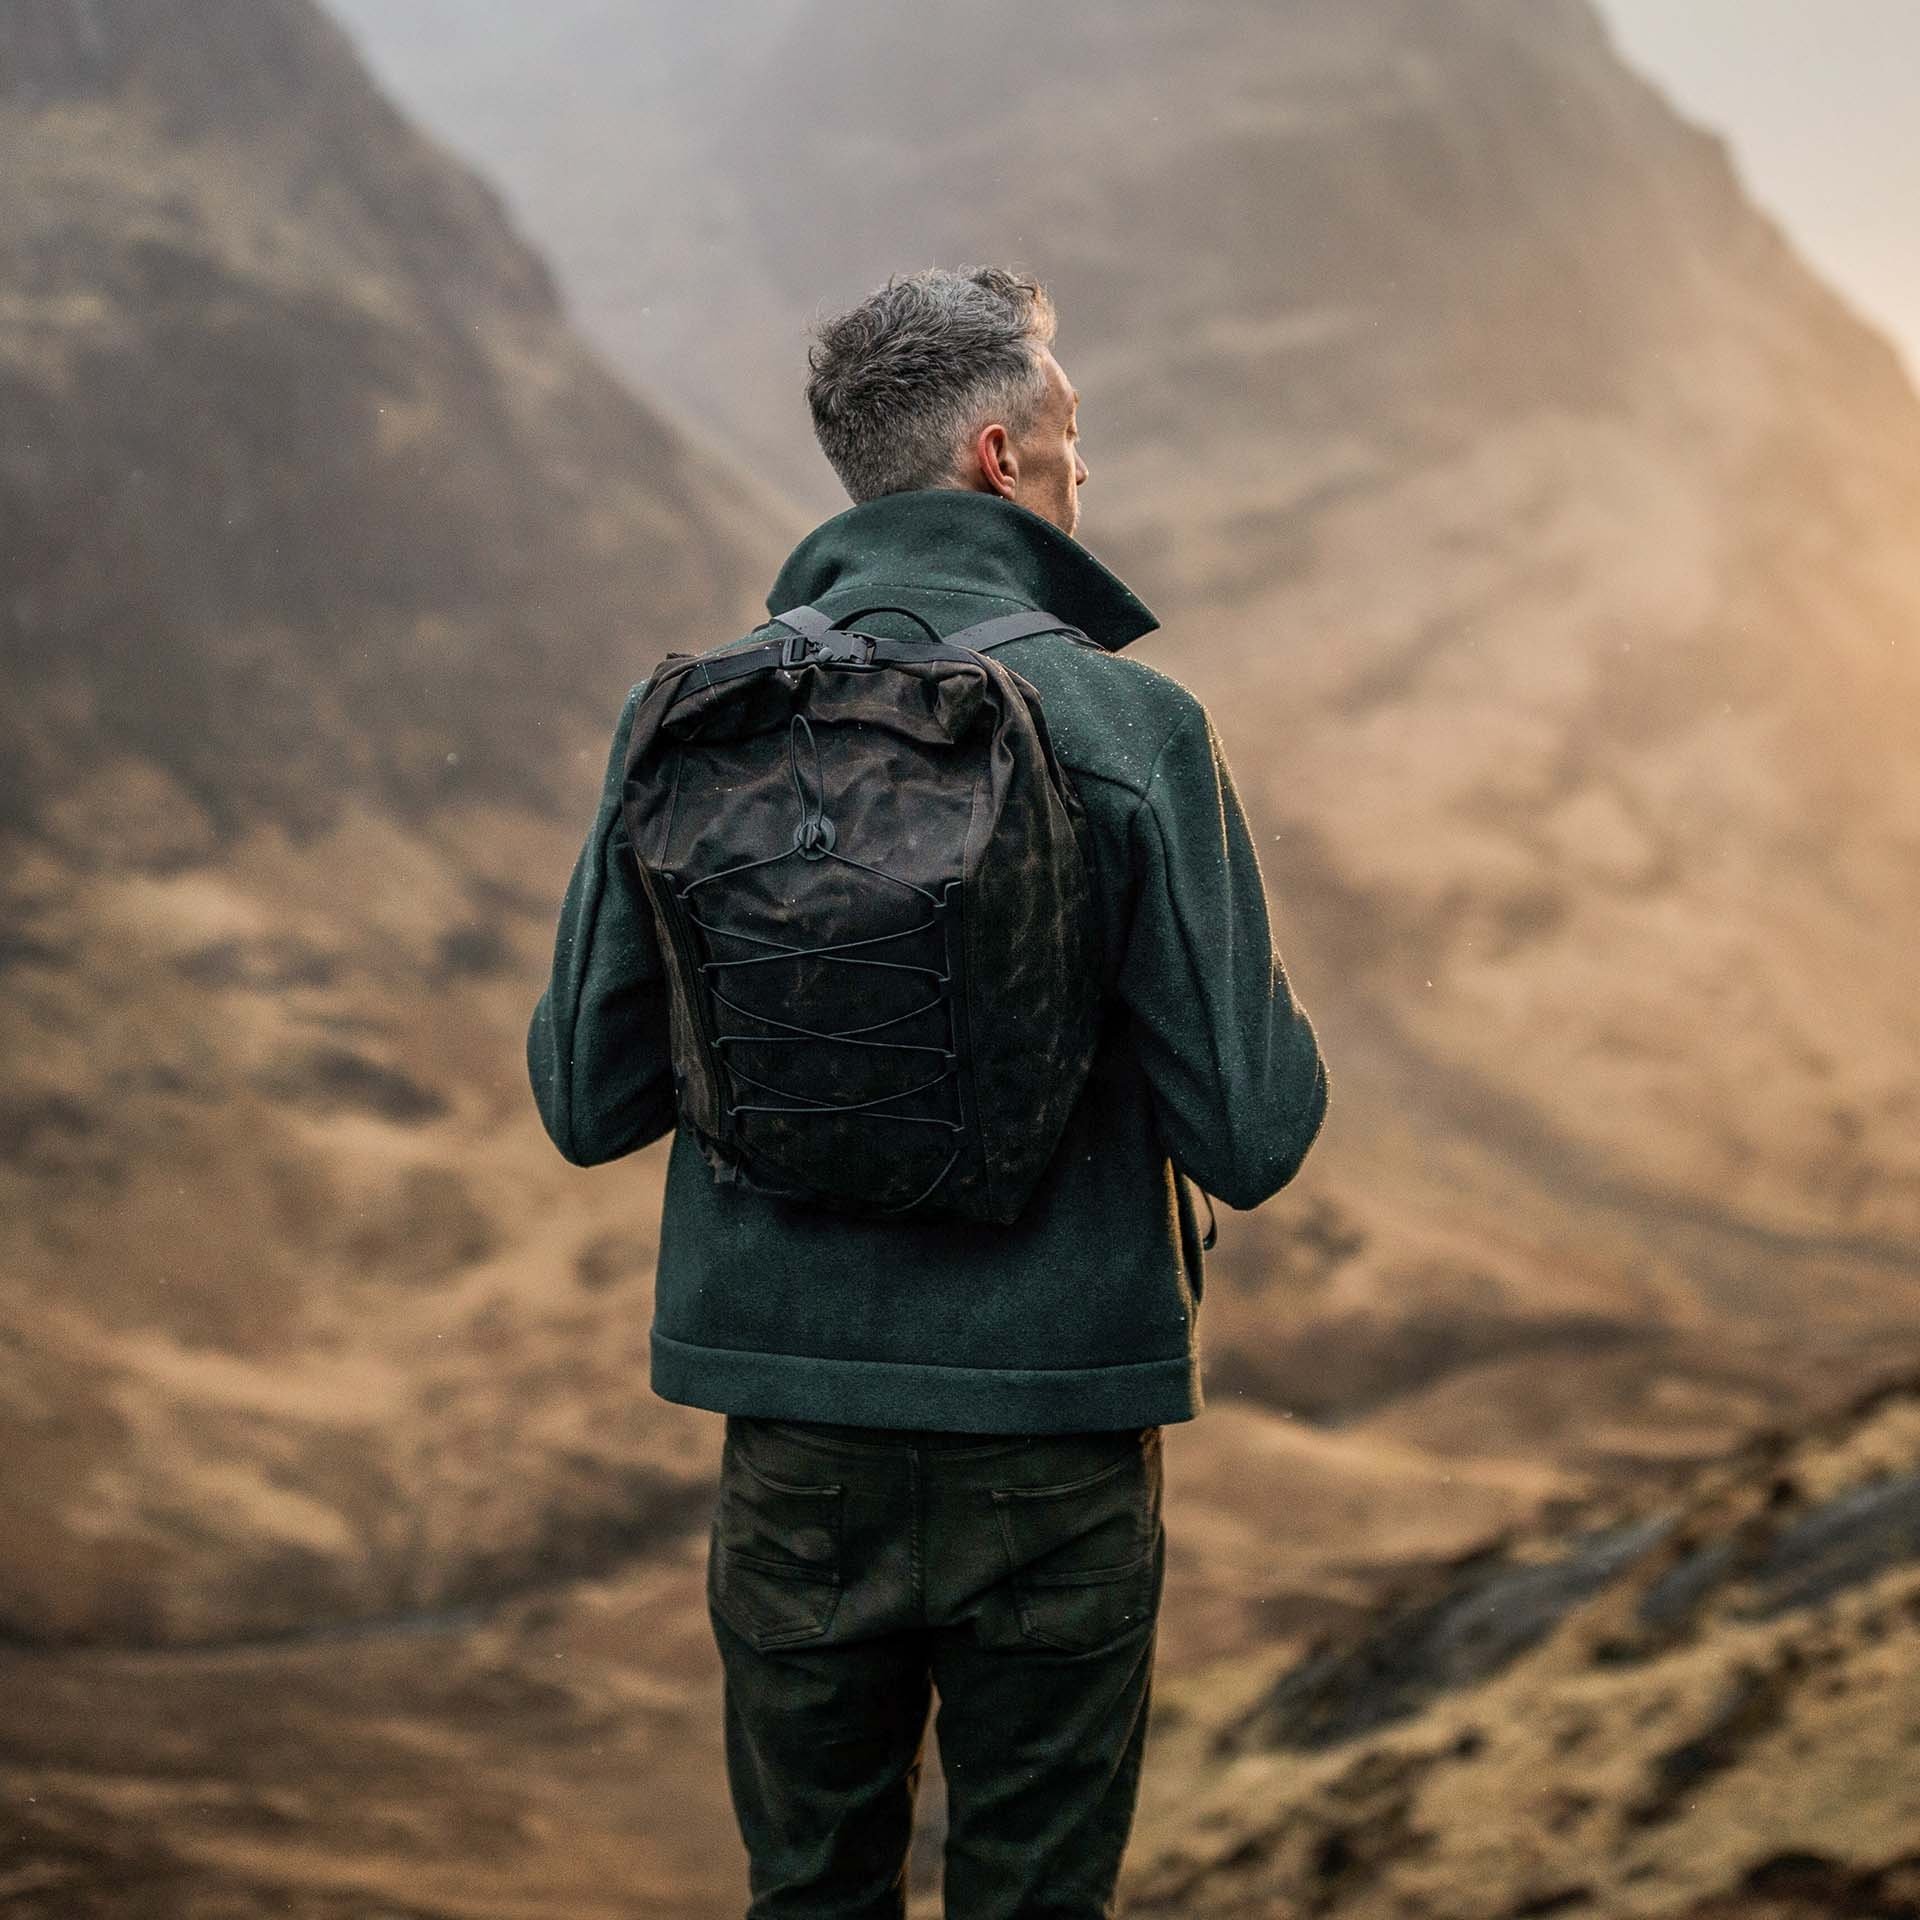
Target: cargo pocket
773, 1570
1083, 1556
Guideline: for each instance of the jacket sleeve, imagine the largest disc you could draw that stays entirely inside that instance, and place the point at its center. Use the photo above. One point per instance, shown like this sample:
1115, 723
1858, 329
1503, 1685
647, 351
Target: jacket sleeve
597, 1049
1231, 1058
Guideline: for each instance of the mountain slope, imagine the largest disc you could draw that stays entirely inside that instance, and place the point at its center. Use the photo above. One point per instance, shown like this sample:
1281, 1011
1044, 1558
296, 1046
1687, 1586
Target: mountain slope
329, 555
1538, 527
1704, 1706
1552, 586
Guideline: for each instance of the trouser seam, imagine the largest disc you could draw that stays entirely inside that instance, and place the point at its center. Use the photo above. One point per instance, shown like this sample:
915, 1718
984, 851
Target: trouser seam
919, 1501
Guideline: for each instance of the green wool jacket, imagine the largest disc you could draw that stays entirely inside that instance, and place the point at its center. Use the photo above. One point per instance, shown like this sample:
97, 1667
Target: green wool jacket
1082, 1314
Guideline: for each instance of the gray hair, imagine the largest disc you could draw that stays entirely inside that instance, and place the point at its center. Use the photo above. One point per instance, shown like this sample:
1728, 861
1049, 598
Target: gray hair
900, 383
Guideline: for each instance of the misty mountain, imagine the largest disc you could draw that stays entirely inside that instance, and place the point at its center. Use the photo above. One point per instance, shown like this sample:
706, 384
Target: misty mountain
302, 450
1536, 523
329, 554
1537, 527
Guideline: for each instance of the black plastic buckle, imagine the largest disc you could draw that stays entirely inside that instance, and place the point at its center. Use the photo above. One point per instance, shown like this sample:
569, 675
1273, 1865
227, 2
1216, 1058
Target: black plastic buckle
835, 649
849, 649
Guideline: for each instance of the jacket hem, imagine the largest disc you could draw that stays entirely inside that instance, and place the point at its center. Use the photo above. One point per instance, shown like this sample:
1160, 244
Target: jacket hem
893, 1393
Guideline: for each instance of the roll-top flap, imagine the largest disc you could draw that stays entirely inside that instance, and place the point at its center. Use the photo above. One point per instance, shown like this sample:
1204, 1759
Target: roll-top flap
942, 701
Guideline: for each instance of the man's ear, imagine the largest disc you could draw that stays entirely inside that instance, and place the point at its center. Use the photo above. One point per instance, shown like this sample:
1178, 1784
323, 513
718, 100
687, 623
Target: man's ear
998, 464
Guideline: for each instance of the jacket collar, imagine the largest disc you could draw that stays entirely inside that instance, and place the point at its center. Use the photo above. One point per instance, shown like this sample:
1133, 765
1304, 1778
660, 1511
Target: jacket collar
952, 539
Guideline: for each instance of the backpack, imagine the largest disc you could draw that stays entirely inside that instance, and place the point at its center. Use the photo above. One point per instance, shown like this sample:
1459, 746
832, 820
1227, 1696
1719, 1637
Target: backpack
870, 876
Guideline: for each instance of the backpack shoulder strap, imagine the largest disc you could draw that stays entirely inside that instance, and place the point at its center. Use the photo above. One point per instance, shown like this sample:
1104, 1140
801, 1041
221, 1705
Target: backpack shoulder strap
982, 637
808, 620
1004, 628
813, 627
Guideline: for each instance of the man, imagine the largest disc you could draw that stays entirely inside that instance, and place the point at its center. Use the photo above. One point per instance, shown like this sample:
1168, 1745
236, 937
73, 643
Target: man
942, 1460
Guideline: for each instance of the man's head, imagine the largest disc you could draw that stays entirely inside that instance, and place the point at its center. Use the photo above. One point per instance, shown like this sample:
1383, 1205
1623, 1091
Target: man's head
946, 378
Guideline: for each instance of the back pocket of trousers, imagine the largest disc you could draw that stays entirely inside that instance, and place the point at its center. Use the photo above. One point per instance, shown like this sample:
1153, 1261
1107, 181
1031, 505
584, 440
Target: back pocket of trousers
774, 1572
1081, 1556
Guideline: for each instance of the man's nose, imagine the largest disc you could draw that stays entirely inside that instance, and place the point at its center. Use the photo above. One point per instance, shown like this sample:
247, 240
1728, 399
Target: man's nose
1079, 471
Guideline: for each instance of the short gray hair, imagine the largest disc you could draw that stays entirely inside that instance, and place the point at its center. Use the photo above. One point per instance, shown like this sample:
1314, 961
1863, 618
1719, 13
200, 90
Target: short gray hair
902, 381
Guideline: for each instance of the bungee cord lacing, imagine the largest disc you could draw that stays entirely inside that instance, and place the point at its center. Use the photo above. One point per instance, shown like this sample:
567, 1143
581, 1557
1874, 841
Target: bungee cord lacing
813, 840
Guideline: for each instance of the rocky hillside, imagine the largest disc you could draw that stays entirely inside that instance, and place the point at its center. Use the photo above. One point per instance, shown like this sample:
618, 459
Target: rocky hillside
1703, 1706
328, 556
1700, 1704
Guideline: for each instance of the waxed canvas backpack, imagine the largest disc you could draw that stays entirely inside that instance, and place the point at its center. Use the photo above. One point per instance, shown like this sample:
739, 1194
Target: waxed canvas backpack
869, 873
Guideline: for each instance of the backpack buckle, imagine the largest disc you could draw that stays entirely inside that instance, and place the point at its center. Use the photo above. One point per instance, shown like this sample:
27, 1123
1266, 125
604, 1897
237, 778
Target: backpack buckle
849, 649
835, 649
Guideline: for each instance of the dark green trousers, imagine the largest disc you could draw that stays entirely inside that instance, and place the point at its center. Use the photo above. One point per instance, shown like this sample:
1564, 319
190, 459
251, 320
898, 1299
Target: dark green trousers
852, 1571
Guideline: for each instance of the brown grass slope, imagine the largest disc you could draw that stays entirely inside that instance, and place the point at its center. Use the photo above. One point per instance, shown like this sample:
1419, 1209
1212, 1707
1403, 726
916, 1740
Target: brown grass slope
328, 554
1706, 1704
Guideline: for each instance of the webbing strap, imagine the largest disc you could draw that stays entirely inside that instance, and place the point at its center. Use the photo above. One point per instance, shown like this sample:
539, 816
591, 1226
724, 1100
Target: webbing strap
984, 635
818, 628
711, 670
808, 620
1005, 628
714, 671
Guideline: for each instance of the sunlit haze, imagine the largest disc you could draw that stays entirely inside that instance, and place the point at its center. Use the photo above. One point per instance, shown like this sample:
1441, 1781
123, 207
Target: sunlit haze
1819, 102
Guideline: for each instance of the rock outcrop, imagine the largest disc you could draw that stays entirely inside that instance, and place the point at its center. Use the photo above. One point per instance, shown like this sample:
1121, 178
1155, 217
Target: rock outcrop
1706, 1705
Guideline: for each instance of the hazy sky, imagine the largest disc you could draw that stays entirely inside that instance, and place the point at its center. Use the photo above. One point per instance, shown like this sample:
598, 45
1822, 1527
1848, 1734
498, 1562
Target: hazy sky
1821, 101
